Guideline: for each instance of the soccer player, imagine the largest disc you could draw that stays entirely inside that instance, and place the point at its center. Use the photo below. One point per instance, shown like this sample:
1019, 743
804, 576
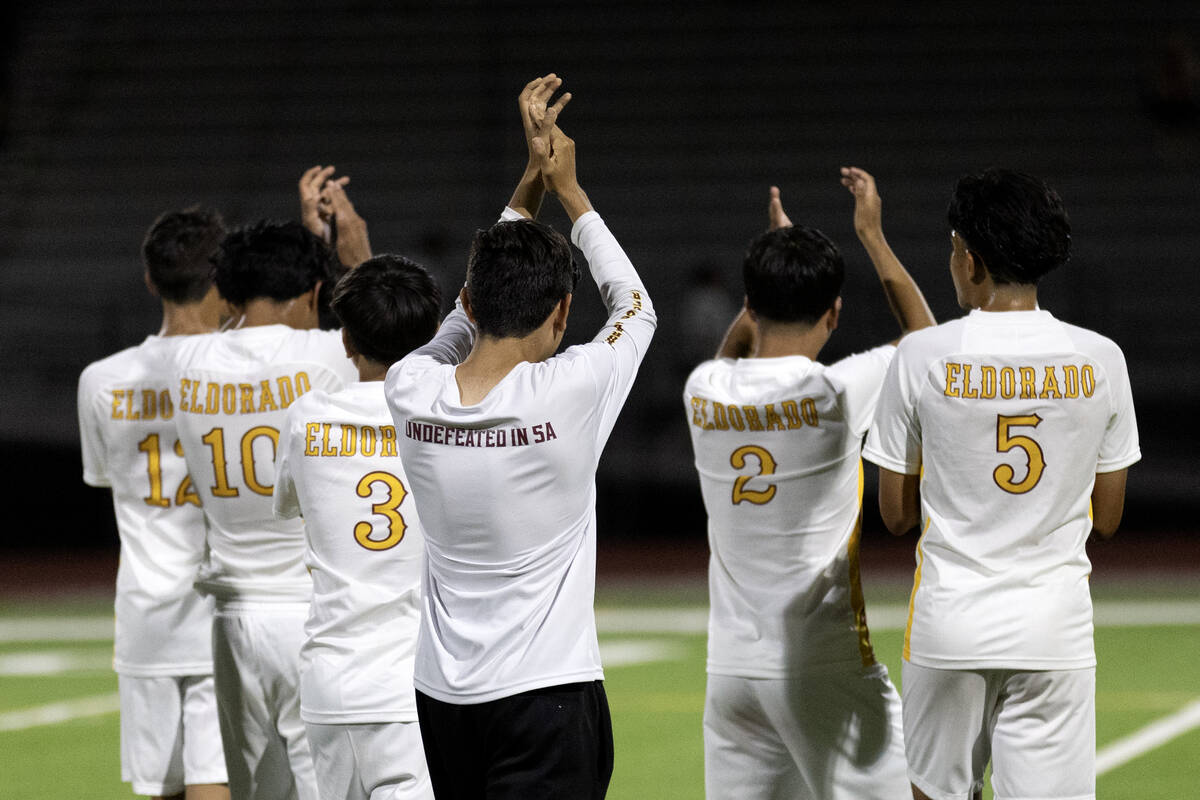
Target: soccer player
796, 704
234, 389
170, 740
1006, 435
500, 438
337, 467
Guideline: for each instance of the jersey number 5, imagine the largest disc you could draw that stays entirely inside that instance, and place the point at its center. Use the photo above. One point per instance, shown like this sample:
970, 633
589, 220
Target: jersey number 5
766, 466
387, 509
1004, 474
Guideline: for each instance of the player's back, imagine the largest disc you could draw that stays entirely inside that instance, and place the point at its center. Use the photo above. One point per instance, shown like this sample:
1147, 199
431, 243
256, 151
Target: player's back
776, 444
126, 416
511, 541
1016, 413
338, 467
233, 391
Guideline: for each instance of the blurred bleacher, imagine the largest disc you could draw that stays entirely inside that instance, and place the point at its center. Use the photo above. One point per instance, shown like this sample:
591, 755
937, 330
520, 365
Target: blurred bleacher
684, 114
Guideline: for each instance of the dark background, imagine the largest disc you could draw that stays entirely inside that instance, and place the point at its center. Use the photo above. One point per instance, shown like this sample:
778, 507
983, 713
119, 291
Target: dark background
683, 115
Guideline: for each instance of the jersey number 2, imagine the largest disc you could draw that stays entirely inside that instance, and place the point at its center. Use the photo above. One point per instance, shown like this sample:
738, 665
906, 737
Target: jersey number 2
766, 466
387, 509
1004, 474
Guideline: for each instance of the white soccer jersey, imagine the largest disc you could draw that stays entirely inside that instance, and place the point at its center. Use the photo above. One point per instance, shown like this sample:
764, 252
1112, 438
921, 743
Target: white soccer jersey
1008, 416
777, 443
506, 490
232, 392
127, 429
338, 468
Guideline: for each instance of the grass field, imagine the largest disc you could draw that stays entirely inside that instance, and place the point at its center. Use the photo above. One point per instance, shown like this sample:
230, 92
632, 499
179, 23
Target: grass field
54, 658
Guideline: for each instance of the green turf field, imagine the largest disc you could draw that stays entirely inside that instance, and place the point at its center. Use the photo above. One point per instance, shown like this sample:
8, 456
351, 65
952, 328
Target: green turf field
1147, 643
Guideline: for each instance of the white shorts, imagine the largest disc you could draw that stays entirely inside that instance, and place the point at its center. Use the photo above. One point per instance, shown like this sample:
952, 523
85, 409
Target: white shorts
1037, 728
169, 733
384, 761
832, 734
256, 662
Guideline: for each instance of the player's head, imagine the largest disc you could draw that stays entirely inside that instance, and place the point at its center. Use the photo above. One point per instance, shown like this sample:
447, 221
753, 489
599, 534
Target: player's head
1011, 222
517, 275
277, 261
178, 251
388, 306
792, 275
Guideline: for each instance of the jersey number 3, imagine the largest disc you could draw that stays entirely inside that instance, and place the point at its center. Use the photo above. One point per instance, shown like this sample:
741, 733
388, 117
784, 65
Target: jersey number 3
387, 509
766, 466
1004, 474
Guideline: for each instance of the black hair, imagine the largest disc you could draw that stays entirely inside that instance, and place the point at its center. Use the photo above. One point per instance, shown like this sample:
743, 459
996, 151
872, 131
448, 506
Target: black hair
792, 274
178, 250
275, 260
389, 305
1014, 223
517, 273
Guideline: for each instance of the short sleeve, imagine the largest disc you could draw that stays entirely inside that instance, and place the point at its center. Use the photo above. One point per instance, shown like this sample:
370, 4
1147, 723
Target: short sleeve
894, 441
286, 500
91, 439
1120, 447
860, 378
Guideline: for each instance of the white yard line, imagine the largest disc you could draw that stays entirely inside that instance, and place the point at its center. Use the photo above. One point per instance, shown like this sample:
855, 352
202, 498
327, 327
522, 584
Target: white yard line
54, 713
54, 662
1154, 735
56, 629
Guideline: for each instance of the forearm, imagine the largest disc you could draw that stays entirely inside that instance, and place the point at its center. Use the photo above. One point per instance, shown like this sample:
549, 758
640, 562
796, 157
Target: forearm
740, 338
353, 245
575, 202
903, 295
526, 199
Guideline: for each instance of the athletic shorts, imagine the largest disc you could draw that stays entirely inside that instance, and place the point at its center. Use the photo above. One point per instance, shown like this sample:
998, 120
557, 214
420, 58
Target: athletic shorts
169, 733
545, 744
383, 761
256, 663
832, 734
1037, 728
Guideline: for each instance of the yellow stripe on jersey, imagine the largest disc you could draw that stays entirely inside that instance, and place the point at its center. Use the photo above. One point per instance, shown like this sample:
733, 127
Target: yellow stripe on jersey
857, 603
912, 598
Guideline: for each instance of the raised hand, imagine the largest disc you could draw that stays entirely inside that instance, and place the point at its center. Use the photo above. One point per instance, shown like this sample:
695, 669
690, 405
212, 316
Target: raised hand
353, 246
868, 207
776, 218
538, 117
555, 153
314, 214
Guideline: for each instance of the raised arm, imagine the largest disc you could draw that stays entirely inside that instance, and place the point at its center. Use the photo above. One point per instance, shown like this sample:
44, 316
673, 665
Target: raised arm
353, 245
538, 119
903, 295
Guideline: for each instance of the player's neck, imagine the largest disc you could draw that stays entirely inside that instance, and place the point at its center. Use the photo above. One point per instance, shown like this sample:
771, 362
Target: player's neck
778, 341
185, 319
264, 311
1009, 297
492, 358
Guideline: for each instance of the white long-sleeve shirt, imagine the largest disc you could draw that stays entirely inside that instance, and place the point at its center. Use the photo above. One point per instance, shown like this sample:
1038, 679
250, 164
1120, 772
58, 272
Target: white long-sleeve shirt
506, 494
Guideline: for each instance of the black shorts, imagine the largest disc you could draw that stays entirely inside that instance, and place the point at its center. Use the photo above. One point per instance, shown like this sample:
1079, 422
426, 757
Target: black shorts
549, 743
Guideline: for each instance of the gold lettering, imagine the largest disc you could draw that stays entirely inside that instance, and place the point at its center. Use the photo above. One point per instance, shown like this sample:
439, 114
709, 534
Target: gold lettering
302, 384
184, 385
720, 419
247, 394
968, 392
1071, 379
808, 408
195, 406
166, 409
1008, 383
1050, 385
735, 418
130, 411
311, 429
349, 440
952, 371
1088, 380
287, 392
388, 441
752, 419
988, 376
229, 398
212, 398
118, 398
367, 445
266, 399
792, 411
774, 421
149, 404
1028, 383
326, 449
